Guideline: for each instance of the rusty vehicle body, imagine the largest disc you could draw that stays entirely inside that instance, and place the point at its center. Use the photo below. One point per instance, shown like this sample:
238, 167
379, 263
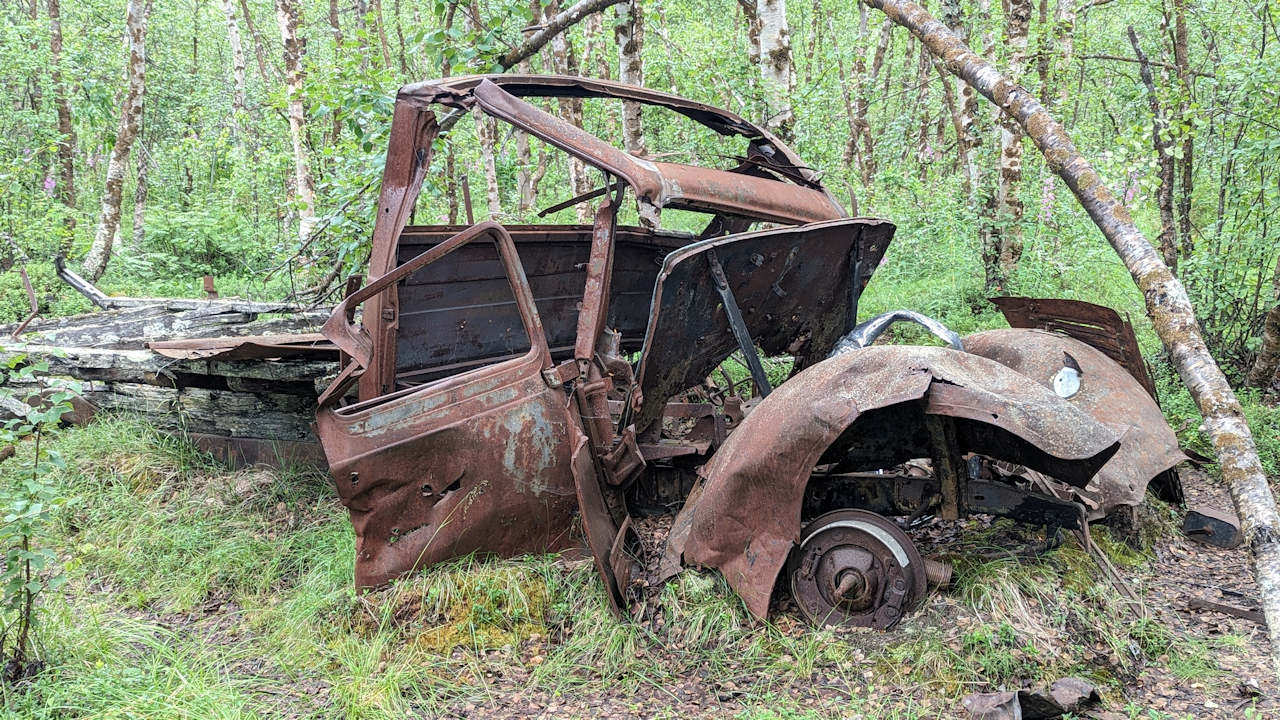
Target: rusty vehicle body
510, 389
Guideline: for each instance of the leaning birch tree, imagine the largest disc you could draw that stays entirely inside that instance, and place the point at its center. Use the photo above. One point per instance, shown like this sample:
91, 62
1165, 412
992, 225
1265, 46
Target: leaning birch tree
304, 187
95, 262
1166, 299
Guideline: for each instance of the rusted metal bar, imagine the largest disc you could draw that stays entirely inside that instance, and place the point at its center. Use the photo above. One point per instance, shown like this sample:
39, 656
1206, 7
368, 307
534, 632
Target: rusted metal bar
947, 464
737, 326
1256, 616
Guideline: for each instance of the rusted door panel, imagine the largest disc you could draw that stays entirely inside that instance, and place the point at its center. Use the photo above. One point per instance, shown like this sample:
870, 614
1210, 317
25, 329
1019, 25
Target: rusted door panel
601, 529
475, 462
478, 462
792, 285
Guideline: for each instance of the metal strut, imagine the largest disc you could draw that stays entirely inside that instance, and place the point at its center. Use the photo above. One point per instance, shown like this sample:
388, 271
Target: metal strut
737, 326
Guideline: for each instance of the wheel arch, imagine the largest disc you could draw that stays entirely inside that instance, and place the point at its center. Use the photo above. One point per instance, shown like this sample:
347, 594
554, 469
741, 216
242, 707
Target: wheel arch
745, 515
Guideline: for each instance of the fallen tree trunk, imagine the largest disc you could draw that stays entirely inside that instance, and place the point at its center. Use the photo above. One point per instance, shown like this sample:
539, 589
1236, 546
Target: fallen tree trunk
1166, 299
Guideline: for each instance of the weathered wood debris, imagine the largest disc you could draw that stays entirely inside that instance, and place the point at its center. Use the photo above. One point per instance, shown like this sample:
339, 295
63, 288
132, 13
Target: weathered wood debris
190, 367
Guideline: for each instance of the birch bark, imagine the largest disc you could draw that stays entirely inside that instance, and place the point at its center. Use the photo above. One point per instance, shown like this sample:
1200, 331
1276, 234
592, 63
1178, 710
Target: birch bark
136, 13
259, 50
963, 118
564, 63
1008, 203
629, 34
304, 187
66, 131
1163, 145
1166, 299
1265, 366
237, 62
776, 66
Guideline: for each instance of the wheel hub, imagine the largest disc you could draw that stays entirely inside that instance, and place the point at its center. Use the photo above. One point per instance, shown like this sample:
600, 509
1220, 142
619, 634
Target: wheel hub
855, 568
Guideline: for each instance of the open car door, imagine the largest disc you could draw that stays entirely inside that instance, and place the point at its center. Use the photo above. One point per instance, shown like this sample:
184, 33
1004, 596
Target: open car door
476, 461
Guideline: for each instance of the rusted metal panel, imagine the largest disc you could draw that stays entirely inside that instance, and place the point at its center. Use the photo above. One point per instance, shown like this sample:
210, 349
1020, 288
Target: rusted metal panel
1212, 526
1109, 394
457, 91
792, 285
1096, 325
660, 184
309, 345
477, 462
746, 518
461, 314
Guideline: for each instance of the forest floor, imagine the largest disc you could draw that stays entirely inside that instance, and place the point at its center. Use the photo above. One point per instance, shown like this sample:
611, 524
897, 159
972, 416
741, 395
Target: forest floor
197, 591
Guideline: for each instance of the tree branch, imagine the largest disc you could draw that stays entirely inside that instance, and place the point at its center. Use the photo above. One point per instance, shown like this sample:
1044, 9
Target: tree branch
554, 26
1156, 63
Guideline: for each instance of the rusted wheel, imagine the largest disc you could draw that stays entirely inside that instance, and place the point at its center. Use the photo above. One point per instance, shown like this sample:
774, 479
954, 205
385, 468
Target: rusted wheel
857, 569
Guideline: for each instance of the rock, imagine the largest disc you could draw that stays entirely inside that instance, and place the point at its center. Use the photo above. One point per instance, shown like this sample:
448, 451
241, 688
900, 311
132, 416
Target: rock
993, 706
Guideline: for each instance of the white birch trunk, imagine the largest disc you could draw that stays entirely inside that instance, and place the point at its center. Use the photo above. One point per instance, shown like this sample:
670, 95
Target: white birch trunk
629, 34
563, 63
287, 17
1166, 299
775, 64
486, 132
966, 135
237, 61
95, 262
1008, 203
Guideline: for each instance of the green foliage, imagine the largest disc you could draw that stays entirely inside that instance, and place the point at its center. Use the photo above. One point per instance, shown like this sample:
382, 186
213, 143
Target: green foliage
28, 500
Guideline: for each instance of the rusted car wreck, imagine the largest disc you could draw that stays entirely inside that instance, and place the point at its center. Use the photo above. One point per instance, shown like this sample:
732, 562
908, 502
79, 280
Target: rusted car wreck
509, 386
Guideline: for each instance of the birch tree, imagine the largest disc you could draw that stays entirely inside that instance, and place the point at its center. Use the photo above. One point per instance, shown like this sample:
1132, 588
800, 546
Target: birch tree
774, 39
136, 13
1166, 299
66, 131
963, 117
1162, 143
1266, 365
1008, 205
629, 34
564, 63
237, 62
259, 48
304, 187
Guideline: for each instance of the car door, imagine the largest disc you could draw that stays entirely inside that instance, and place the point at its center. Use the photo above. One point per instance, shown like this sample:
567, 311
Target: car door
477, 458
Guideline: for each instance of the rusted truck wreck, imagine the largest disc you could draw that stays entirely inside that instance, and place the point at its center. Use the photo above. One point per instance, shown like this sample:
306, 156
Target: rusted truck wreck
508, 384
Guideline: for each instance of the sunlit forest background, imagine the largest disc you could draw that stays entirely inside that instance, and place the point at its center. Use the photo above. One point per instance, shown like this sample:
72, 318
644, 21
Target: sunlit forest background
149, 144
209, 185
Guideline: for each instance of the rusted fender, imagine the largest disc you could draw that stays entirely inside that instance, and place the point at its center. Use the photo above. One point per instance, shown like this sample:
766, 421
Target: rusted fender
1109, 394
745, 517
